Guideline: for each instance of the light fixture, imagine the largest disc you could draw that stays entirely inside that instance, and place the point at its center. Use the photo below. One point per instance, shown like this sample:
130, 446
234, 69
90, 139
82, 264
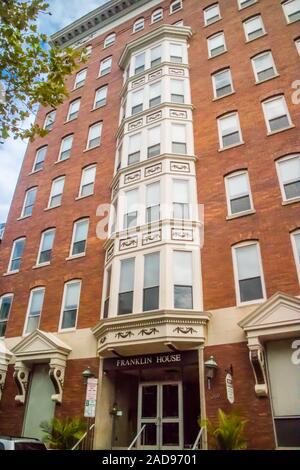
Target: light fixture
87, 374
211, 367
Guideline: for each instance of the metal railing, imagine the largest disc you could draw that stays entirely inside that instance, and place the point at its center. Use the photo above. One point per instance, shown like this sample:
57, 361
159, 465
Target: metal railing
196, 443
86, 441
136, 437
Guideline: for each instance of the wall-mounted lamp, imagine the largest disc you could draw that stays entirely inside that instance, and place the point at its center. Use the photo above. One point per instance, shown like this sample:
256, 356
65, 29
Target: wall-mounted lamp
210, 367
115, 410
87, 374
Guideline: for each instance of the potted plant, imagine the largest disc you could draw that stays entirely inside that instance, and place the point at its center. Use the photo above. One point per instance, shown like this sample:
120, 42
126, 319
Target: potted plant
228, 433
63, 434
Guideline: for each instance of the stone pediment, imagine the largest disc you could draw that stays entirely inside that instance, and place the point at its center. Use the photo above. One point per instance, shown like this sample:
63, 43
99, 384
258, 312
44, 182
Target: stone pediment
40, 344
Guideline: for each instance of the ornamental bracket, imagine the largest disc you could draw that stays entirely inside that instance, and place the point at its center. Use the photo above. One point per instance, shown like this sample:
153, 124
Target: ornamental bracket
57, 374
257, 359
21, 376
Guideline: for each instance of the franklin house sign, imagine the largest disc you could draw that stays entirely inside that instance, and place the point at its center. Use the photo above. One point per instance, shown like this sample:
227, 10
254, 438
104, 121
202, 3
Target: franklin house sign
151, 361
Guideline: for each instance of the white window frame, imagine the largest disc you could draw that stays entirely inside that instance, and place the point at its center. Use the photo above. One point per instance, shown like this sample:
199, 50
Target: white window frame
236, 276
285, 12
9, 270
61, 147
8, 294
89, 167
34, 188
214, 83
109, 40
207, 10
89, 132
158, 11
35, 289
104, 87
35, 159
77, 82
297, 44
79, 255
266, 118
295, 253
221, 33
53, 112
249, 21
280, 160
173, 4
45, 263
269, 53
138, 25
222, 147
241, 7
226, 179
70, 107
50, 196
101, 68
73, 281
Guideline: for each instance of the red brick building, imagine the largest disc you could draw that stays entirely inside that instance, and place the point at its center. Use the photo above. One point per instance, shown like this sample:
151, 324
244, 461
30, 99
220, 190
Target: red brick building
184, 122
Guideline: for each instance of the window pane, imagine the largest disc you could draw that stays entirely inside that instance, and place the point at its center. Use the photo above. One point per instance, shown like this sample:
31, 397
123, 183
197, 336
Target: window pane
290, 169
212, 14
88, 175
180, 191
176, 53
250, 289
183, 268
40, 157
151, 270
248, 262
151, 299
183, 297
222, 83
297, 243
69, 318
125, 303
155, 55
72, 295
58, 186
100, 98
37, 300
275, 108
6, 302
139, 62
47, 241
32, 323
127, 275
240, 204
81, 230
238, 185
18, 249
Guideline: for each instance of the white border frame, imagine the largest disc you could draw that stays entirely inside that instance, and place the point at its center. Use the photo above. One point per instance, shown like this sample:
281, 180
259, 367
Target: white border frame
72, 281
7, 294
295, 252
285, 13
219, 119
156, 12
106, 59
35, 289
51, 191
70, 107
171, 12
240, 7
35, 158
232, 175
213, 75
79, 255
277, 163
141, 21
220, 33
23, 216
46, 263
47, 116
99, 123
112, 41
9, 271
96, 91
274, 98
61, 145
76, 77
206, 9
255, 71
93, 165
248, 20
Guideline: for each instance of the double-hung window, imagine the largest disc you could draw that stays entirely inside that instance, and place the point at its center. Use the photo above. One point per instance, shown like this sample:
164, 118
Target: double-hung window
49, 120
155, 55
109, 40
183, 279
222, 83
238, 193
125, 304
29, 201
245, 3
229, 130
35, 306
39, 159
70, 304
177, 91
46, 246
291, 10
152, 202
175, 6
139, 63
288, 169
254, 28
87, 181
276, 114
131, 214
180, 199
134, 148
73, 110
151, 282
154, 139
105, 66
154, 94
178, 133
94, 136
100, 97
107, 293
176, 53
5, 306
296, 248
212, 14
248, 272
16, 255
216, 44
56, 192
65, 148
79, 238
80, 78
138, 25
297, 44
157, 15
263, 67
137, 102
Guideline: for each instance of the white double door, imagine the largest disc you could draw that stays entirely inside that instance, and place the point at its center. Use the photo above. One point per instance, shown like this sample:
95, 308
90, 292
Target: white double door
160, 412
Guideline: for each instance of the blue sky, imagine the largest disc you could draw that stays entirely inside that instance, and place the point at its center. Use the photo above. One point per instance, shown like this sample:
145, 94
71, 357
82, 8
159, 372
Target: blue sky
12, 151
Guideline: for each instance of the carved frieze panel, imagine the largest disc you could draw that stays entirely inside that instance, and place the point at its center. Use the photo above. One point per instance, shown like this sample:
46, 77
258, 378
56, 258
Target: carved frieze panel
139, 82
180, 167
135, 124
133, 176
176, 72
153, 117
178, 114
153, 170
155, 74
151, 237
130, 242
182, 234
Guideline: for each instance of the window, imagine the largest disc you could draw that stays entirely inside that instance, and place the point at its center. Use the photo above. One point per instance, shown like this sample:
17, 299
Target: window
134, 148
139, 63
297, 44
263, 67
157, 15
29, 201
73, 110
5, 306
152, 202
94, 137
105, 66
79, 237
180, 199
216, 44
291, 10
126, 286
154, 138
87, 181
177, 91
288, 170
254, 28
137, 102
296, 249
175, 6
176, 53
70, 304
178, 23
88, 51
155, 53
49, 120
238, 193
248, 273
151, 282
183, 279
16, 255
65, 148
222, 83
35, 306
80, 78
100, 97
46, 246
245, 3
212, 14
138, 25
154, 94
229, 130
130, 217
107, 293
56, 192
276, 114
178, 133
39, 159
109, 40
